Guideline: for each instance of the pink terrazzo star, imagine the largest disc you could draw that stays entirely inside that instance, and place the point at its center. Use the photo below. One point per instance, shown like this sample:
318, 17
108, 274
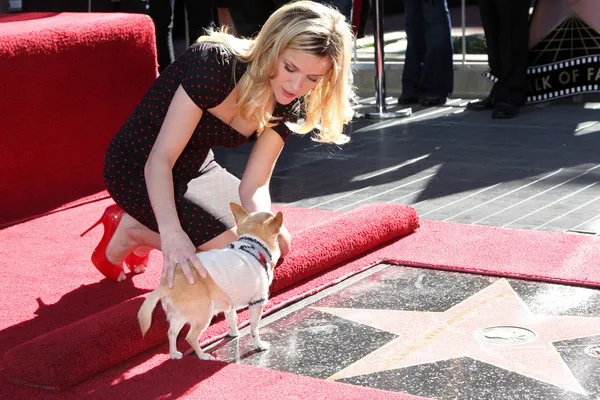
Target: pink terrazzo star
493, 326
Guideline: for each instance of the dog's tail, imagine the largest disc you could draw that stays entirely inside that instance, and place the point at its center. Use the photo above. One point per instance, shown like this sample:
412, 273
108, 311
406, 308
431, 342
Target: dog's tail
145, 313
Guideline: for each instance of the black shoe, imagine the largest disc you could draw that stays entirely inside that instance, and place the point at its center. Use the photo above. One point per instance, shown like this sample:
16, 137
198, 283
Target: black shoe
432, 101
404, 100
479, 105
505, 110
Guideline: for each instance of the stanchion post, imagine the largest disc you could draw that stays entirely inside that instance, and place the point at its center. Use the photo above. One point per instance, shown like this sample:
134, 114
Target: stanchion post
379, 43
463, 12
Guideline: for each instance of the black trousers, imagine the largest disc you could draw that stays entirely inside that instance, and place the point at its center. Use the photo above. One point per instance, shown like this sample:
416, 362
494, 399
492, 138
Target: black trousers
506, 27
248, 17
200, 15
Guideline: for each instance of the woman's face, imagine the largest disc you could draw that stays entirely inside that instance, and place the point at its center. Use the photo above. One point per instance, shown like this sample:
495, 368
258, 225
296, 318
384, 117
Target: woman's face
296, 74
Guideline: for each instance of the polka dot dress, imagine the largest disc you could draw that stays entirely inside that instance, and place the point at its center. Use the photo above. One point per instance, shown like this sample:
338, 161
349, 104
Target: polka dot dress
202, 188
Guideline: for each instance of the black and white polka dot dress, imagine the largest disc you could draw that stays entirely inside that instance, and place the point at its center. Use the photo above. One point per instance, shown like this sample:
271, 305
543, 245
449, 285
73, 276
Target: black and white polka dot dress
202, 188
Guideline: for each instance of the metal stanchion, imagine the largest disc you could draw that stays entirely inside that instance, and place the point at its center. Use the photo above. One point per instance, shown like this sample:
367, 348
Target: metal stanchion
464, 36
380, 102
89, 5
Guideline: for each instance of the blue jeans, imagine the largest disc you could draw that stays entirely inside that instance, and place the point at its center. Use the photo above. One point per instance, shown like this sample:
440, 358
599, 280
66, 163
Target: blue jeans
428, 69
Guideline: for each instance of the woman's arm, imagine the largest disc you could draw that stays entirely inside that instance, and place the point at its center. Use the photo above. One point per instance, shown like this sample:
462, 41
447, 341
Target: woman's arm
254, 187
179, 124
182, 118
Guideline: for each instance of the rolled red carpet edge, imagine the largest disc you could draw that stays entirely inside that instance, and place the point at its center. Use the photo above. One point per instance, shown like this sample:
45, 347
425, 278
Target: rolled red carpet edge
66, 356
342, 238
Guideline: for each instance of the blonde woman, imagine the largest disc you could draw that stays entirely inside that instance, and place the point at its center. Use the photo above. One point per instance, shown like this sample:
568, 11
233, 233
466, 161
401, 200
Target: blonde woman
169, 192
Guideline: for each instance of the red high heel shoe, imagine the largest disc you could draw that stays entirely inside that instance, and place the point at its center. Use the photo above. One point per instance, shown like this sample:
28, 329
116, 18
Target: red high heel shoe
110, 220
137, 264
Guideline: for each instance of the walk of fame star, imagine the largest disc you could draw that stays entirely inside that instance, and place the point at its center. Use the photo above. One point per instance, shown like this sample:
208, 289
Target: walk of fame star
493, 326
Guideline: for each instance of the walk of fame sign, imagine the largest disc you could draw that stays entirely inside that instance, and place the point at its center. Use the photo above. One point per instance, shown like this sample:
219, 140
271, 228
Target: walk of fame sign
564, 49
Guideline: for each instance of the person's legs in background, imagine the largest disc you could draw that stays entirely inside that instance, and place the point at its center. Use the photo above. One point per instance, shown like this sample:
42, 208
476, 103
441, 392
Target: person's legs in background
223, 17
415, 51
362, 16
249, 15
343, 6
201, 14
513, 49
506, 28
161, 12
491, 30
437, 73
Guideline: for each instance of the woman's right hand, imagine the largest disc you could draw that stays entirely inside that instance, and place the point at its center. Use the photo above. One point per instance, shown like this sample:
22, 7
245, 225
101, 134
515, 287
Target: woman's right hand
178, 249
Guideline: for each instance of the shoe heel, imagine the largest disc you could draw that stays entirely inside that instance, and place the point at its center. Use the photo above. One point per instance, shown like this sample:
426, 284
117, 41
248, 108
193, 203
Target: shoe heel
110, 220
92, 227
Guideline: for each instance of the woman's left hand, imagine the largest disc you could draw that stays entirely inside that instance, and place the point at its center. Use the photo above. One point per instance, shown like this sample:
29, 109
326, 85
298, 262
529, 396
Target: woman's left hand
285, 241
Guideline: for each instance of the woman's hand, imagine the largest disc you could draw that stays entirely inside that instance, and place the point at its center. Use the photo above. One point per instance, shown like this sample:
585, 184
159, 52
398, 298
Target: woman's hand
178, 249
285, 241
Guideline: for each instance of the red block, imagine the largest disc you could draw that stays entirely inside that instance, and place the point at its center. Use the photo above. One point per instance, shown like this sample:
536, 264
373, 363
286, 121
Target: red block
68, 83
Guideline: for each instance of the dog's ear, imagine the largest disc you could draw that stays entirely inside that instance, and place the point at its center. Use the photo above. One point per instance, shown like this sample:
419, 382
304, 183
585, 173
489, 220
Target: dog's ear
239, 212
276, 222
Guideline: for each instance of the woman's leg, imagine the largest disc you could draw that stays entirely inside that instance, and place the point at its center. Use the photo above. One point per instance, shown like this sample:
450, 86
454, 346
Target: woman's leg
130, 235
203, 207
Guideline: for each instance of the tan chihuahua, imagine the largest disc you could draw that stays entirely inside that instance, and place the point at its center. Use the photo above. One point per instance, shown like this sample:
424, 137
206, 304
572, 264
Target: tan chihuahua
239, 276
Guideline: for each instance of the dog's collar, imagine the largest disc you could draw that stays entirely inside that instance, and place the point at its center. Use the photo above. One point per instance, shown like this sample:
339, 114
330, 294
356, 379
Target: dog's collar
255, 247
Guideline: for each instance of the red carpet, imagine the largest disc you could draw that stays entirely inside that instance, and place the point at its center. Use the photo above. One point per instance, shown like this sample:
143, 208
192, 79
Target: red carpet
38, 243
155, 376
48, 280
65, 356
69, 81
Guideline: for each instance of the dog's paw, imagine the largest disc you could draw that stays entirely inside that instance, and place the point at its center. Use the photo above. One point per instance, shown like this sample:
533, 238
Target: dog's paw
262, 346
176, 356
204, 356
234, 332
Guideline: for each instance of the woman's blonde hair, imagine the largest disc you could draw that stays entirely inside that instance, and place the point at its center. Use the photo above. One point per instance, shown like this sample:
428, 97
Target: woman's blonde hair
304, 26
